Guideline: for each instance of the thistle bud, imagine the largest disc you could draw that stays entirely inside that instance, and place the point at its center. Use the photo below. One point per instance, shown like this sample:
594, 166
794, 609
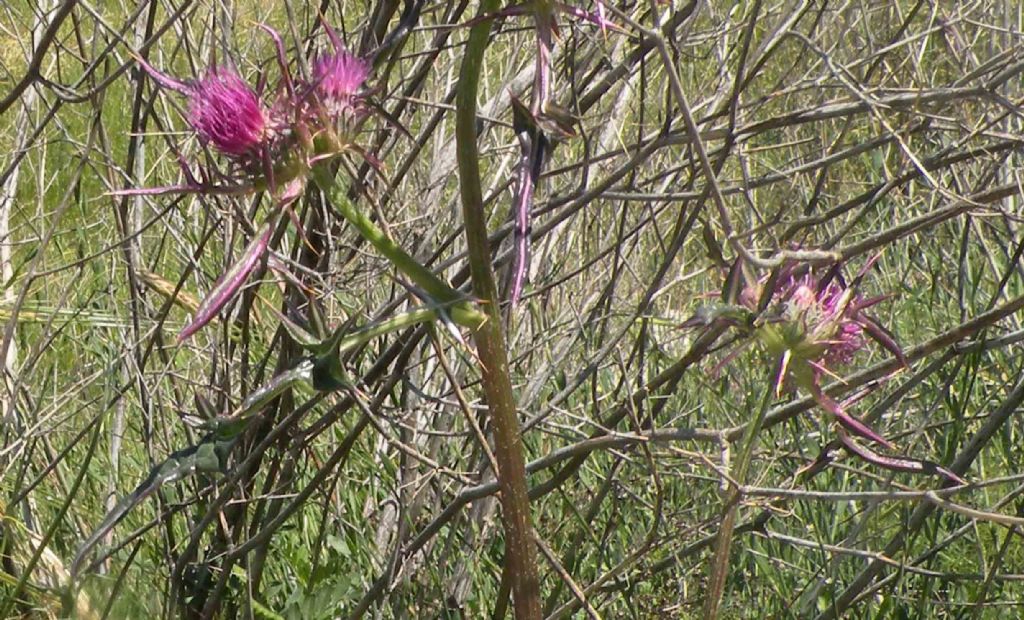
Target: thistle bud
339, 77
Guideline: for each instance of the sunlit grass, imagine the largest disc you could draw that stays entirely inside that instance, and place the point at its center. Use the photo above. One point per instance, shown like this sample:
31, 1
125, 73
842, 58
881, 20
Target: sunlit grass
90, 346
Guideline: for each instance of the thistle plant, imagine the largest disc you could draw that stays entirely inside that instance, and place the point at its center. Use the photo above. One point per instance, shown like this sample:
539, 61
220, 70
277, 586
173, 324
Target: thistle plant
228, 114
223, 110
344, 429
809, 323
813, 324
280, 147
338, 80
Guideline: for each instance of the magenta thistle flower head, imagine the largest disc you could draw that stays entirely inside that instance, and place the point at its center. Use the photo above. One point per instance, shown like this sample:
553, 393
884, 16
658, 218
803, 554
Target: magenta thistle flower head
808, 322
819, 318
339, 78
227, 113
815, 318
811, 323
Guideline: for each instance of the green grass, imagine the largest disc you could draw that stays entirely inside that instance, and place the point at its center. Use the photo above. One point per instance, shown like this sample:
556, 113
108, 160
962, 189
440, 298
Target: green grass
89, 347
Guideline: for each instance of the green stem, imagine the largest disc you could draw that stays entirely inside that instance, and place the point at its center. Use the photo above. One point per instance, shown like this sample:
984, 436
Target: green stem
302, 372
520, 554
381, 328
720, 565
262, 396
461, 310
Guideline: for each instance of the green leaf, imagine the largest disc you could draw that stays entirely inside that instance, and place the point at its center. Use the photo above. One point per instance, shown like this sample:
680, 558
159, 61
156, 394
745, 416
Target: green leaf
328, 373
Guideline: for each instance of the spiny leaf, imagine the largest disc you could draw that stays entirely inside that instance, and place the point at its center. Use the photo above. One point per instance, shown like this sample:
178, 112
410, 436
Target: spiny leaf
299, 334
328, 373
229, 283
209, 455
898, 463
845, 419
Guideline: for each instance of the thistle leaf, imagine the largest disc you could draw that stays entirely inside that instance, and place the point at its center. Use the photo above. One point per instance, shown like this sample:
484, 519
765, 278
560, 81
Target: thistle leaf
209, 455
299, 334
883, 337
898, 463
229, 283
845, 419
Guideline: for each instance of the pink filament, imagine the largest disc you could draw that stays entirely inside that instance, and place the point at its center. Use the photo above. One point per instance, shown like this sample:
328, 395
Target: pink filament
226, 113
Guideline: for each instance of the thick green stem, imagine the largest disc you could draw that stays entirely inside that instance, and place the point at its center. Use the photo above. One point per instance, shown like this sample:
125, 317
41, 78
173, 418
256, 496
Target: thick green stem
381, 328
461, 310
720, 564
520, 554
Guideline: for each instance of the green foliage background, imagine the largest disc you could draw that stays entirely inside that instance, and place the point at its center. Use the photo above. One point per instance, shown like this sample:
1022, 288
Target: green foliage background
832, 125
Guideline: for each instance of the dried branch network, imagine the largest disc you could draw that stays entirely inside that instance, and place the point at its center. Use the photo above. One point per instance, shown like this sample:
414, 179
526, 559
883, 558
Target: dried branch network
754, 334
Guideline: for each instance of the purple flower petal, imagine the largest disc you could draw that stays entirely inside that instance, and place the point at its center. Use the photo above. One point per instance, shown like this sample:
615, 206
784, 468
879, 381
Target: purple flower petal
339, 78
226, 113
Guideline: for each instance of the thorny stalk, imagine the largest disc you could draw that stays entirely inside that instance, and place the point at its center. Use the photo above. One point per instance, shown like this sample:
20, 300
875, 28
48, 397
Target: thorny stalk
830, 131
718, 570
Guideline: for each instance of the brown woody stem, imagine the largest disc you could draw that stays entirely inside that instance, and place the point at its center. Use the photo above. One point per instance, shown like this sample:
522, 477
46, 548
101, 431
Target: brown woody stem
520, 554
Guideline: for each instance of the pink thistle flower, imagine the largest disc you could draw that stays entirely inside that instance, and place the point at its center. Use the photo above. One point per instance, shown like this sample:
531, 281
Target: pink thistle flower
813, 322
819, 323
824, 313
809, 322
339, 78
227, 113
